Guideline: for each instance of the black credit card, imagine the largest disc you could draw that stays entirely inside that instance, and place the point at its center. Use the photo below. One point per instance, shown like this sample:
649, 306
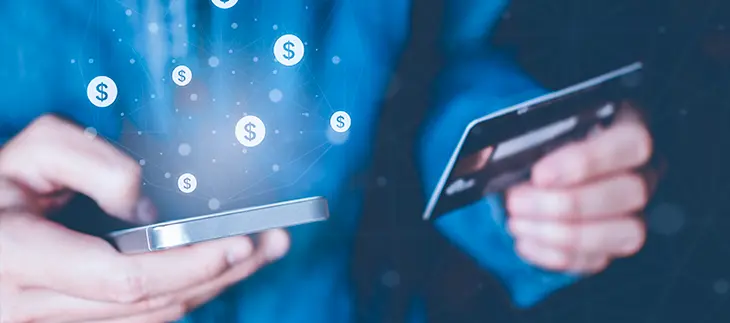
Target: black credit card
499, 150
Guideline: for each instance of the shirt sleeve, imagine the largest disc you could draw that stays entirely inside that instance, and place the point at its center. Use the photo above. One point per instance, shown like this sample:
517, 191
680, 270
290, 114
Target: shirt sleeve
472, 89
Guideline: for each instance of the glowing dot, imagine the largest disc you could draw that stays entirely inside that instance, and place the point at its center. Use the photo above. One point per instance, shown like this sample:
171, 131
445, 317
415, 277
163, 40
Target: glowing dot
153, 96
213, 132
128, 12
666, 219
121, 114
90, 132
230, 51
275, 72
213, 161
255, 59
275, 167
214, 204
335, 60
193, 25
184, 149
275, 27
142, 162
722, 286
276, 131
131, 61
233, 72
153, 27
91, 61
167, 175
139, 133
213, 61
174, 60
391, 279
73, 61
275, 95
193, 97
179, 25
234, 25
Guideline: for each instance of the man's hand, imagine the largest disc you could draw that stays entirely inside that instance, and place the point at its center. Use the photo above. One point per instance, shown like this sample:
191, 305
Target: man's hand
580, 209
52, 274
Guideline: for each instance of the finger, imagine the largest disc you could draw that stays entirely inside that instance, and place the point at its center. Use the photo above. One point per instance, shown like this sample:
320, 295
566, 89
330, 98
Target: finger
621, 236
625, 145
63, 308
626, 193
90, 166
473, 163
168, 314
273, 245
88, 267
560, 260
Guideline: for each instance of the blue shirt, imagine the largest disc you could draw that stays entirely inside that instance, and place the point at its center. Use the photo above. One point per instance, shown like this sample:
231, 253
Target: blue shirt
49, 53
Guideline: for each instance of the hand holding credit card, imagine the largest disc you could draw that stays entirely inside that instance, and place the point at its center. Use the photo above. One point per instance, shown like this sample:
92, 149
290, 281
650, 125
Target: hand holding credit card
499, 150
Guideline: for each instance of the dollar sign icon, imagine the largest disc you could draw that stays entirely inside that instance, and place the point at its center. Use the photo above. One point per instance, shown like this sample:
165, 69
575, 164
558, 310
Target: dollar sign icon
101, 91
250, 131
289, 50
102, 94
340, 121
250, 134
187, 183
182, 75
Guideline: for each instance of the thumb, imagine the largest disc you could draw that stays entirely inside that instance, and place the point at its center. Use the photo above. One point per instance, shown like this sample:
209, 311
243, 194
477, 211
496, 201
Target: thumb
52, 154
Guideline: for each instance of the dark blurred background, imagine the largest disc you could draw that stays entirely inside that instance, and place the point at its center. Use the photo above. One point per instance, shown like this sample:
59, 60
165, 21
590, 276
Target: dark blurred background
683, 273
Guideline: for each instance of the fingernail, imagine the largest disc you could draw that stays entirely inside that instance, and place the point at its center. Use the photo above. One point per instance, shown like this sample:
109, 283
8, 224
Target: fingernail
554, 258
518, 227
546, 176
551, 204
239, 252
522, 203
145, 211
277, 245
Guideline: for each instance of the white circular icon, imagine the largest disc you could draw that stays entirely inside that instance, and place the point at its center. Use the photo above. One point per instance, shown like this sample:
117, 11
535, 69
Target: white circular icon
224, 4
289, 50
250, 131
102, 91
187, 183
182, 75
340, 121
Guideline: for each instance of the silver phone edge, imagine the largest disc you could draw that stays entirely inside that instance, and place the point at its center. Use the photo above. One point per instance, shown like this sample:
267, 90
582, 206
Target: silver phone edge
192, 230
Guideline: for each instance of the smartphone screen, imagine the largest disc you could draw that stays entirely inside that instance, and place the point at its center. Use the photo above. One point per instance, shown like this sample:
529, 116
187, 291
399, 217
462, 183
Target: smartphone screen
499, 150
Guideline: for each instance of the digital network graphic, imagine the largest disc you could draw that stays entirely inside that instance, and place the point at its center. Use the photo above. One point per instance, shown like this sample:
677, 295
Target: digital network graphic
236, 118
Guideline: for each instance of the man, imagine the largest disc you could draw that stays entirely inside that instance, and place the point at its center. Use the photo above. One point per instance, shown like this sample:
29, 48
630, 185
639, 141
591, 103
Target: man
574, 217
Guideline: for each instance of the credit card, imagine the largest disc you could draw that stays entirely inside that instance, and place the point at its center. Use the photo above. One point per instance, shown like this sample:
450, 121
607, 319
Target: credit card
498, 151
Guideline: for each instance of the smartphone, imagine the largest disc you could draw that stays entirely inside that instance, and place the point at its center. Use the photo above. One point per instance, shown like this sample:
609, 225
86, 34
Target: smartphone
165, 235
499, 149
